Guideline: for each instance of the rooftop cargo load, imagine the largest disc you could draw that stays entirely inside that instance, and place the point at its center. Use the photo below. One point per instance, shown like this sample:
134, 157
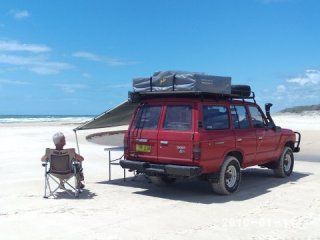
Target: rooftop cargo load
181, 81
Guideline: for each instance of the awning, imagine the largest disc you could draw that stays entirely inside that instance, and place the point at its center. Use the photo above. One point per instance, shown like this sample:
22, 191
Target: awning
118, 116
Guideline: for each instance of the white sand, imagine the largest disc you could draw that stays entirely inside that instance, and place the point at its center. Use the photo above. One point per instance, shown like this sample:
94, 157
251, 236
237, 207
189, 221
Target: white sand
264, 207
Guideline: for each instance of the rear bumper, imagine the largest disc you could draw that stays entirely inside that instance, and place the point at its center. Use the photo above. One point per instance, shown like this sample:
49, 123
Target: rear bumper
161, 169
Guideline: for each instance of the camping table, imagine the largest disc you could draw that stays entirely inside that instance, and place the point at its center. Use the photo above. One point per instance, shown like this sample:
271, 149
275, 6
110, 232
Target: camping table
116, 160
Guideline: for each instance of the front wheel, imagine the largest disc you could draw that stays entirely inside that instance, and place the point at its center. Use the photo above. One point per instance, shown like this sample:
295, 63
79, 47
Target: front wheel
229, 177
285, 164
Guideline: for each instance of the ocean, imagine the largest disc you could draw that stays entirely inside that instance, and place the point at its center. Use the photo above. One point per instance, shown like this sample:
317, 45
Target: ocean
44, 118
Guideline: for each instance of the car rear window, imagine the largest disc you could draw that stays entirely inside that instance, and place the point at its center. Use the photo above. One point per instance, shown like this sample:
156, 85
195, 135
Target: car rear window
215, 117
148, 117
178, 118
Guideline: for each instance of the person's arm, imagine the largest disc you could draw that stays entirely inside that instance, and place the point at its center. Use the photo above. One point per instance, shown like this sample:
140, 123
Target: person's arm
44, 158
78, 157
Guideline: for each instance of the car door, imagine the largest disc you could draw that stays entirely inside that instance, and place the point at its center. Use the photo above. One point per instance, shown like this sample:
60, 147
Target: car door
175, 136
245, 135
143, 134
267, 138
217, 137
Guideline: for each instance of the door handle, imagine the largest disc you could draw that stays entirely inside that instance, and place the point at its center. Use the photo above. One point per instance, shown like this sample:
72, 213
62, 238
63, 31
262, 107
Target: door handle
219, 143
239, 139
164, 142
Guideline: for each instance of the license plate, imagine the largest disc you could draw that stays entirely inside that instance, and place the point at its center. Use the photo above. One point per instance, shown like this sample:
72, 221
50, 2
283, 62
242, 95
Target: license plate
143, 148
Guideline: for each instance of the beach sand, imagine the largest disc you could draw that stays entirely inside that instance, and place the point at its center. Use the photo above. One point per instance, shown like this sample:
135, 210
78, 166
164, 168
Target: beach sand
265, 207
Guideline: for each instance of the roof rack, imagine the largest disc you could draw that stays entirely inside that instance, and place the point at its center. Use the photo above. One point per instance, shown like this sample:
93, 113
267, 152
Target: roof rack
139, 96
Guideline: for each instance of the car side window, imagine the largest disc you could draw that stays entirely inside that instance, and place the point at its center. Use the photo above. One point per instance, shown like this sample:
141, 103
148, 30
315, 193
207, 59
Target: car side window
257, 118
148, 117
240, 117
178, 118
215, 117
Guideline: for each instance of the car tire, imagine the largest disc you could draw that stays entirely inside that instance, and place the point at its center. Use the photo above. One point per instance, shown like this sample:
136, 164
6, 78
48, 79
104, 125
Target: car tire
285, 163
229, 177
241, 90
162, 180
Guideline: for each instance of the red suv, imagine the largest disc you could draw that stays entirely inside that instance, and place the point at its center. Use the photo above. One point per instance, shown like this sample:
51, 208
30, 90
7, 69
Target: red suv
199, 134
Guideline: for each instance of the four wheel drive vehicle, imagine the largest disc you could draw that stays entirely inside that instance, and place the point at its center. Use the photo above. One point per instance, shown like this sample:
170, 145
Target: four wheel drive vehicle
204, 134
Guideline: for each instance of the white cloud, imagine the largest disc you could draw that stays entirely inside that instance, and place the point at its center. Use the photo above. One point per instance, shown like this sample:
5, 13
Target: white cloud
17, 60
13, 82
281, 89
107, 60
88, 56
36, 64
33, 62
11, 46
70, 88
295, 91
19, 14
310, 77
125, 85
47, 68
87, 75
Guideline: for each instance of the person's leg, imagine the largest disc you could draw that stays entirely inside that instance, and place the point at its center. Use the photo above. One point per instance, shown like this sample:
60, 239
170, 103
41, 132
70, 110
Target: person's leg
79, 183
61, 185
80, 176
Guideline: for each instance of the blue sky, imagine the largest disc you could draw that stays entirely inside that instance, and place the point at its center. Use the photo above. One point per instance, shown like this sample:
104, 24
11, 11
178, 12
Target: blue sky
79, 56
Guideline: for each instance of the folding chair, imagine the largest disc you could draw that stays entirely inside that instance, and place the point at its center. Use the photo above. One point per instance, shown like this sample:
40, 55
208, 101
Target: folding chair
61, 164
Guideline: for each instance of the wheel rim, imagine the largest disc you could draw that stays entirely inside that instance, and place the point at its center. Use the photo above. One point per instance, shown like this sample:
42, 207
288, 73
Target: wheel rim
231, 176
287, 163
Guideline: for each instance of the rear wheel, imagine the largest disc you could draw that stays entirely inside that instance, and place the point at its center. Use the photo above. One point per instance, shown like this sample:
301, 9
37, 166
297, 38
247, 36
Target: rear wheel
229, 177
285, 164
162, 180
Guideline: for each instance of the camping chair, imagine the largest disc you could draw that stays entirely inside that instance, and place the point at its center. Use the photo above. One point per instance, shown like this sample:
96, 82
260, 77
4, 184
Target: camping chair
61, 164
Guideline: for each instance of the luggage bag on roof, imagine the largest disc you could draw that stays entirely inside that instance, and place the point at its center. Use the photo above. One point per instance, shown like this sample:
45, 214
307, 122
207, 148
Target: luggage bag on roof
168, 81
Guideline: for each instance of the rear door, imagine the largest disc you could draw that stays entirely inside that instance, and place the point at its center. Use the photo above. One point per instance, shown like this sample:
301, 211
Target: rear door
175, 138
144, 132
245, 135
217, 138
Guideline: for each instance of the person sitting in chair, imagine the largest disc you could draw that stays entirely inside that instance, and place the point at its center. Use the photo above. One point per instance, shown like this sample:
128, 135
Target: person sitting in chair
59, 141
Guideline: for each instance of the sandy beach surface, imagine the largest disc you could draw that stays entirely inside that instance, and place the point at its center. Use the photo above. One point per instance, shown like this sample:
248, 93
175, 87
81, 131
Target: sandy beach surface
265, 207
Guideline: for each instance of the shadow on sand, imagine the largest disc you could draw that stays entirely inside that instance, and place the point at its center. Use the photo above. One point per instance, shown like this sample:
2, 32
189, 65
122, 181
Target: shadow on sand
255, 182
85, 194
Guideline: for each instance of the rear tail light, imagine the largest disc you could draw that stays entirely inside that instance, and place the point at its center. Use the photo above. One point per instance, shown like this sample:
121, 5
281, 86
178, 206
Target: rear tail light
126, 145
196, 151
